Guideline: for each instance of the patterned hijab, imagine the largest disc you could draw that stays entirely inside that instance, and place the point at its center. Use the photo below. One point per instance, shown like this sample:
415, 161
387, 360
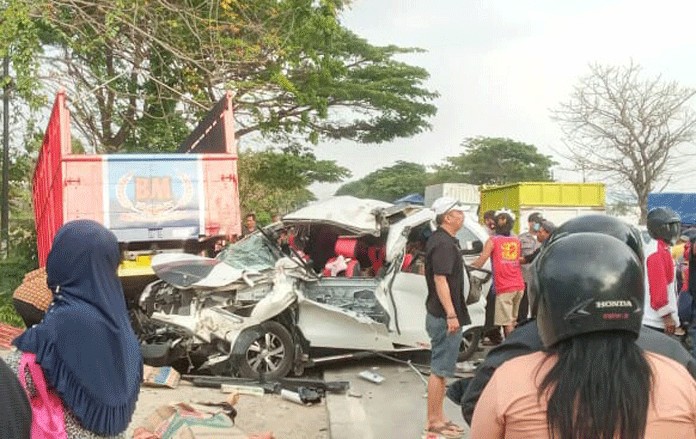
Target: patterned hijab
85, 344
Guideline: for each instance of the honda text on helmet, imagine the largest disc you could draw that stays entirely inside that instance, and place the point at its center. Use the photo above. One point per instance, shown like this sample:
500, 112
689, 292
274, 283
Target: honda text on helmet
588, 282
664, 224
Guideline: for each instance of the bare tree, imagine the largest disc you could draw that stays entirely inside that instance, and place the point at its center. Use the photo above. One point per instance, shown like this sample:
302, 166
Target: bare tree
627, 128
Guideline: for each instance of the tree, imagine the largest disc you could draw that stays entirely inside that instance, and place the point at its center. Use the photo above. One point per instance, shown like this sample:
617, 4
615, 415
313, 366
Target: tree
489, 160
625, 127
275, 182
138, 72
20, 42
389, 183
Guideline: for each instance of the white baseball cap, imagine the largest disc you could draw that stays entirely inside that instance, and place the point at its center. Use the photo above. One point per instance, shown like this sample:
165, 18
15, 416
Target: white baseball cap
444, 204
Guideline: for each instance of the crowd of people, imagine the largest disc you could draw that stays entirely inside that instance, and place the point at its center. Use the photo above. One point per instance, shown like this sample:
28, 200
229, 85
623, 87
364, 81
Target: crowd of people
594, 355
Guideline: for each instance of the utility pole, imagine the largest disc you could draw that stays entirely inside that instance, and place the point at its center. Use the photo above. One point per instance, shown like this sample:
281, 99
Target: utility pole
4, 219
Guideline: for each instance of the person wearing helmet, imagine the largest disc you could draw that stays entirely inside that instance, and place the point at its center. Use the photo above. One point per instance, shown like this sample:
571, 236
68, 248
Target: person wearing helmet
593, 380
504, 250
661, 295
526, 340
489, 221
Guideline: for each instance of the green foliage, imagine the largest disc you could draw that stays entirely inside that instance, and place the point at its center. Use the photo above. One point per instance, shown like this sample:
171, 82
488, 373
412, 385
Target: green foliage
388, 184
12, 271
22, 256
295, 169
275, 182
490, 160
19, 40
139, 72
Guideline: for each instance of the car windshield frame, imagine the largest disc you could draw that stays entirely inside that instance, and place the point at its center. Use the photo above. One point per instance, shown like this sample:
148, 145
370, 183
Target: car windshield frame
252, 253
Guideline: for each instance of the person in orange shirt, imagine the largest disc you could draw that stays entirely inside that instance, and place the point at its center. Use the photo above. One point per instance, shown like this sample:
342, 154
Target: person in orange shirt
593, 381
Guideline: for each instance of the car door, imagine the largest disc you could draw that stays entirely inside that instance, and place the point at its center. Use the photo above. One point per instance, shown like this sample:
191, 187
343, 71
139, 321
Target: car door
407, 291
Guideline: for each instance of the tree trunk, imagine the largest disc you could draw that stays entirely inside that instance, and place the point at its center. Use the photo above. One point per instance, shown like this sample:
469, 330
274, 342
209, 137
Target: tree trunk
643, 203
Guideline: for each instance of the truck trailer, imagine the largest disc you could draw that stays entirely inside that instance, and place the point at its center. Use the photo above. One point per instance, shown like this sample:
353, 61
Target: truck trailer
152, 202
683, 203
467, 194
556, 202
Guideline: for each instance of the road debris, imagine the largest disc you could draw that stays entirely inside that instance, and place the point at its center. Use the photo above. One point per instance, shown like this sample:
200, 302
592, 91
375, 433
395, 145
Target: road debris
242, 390
165, 376
371, 376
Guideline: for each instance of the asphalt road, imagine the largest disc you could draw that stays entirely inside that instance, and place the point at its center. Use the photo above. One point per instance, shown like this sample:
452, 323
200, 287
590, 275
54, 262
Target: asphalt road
394, 408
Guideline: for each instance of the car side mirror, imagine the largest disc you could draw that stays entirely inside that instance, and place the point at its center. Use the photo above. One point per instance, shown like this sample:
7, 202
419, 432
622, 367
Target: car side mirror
473, 248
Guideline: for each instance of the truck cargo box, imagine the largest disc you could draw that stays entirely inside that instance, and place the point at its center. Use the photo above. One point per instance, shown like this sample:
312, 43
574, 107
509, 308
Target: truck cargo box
557, 202
466, 193
142, 198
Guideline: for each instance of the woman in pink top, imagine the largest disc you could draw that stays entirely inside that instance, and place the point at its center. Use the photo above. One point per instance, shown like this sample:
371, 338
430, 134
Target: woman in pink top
593, 382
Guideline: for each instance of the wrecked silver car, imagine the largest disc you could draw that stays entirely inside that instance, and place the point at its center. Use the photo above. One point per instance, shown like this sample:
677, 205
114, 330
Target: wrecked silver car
339, 276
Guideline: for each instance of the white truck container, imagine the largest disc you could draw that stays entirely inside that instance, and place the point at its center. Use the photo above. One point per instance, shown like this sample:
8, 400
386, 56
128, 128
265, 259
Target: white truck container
466, 193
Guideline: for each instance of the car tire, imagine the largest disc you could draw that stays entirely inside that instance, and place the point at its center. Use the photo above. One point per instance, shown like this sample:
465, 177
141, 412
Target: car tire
470, 343
268, 351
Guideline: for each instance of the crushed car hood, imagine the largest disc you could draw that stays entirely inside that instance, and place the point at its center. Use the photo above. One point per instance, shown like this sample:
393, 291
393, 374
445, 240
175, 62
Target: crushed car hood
185, 271
350, 213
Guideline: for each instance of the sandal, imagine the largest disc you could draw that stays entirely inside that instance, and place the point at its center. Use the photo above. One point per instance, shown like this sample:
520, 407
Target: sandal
442, 431
454, 427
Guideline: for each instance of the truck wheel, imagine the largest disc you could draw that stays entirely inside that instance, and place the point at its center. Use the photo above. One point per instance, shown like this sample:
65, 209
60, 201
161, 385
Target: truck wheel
268, 352
470, 342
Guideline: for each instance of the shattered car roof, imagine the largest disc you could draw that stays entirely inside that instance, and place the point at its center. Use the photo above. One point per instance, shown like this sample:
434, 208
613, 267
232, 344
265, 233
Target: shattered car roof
351, 213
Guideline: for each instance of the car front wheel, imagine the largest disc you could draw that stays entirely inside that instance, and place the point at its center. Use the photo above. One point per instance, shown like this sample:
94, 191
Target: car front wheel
268, 352
470, 342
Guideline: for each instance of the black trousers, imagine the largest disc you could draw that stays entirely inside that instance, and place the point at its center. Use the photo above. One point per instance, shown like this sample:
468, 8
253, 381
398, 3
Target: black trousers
524, 307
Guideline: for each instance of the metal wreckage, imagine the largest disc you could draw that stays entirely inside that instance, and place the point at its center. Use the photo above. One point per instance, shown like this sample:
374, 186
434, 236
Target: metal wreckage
338, 277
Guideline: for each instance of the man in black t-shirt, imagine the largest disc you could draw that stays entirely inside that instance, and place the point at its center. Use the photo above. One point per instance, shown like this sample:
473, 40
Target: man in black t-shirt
446, 310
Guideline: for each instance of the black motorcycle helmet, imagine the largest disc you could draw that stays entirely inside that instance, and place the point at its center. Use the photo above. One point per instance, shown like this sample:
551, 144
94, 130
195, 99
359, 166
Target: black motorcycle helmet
588, 282
664, 224
605, 224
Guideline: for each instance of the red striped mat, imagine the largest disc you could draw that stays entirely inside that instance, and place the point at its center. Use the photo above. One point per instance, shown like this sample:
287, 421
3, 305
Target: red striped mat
7, 334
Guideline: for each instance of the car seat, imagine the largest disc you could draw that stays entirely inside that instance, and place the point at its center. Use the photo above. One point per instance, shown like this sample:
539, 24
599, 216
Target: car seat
376, 255
344, 247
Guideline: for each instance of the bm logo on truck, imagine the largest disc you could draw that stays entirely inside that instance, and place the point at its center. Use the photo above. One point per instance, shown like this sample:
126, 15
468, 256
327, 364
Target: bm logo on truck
153, 197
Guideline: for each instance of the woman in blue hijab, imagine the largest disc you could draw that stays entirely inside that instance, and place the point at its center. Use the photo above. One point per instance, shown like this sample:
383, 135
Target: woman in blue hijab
85, 344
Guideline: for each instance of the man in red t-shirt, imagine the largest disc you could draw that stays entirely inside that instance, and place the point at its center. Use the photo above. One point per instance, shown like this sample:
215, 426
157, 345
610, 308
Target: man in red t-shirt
504, 249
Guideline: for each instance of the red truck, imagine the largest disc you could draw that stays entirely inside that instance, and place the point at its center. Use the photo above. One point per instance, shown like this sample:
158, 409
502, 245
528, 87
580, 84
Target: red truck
152, 202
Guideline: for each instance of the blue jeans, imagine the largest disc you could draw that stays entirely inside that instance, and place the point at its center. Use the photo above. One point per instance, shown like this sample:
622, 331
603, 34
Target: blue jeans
444, 347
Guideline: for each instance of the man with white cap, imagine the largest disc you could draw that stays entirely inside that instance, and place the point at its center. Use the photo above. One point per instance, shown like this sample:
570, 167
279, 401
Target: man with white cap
446, 309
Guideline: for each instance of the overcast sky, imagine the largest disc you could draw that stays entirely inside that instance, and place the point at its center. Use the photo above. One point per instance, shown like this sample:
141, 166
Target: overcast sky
500, 66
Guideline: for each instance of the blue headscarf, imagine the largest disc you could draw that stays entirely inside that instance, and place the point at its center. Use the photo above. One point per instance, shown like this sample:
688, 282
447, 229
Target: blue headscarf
85, 343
